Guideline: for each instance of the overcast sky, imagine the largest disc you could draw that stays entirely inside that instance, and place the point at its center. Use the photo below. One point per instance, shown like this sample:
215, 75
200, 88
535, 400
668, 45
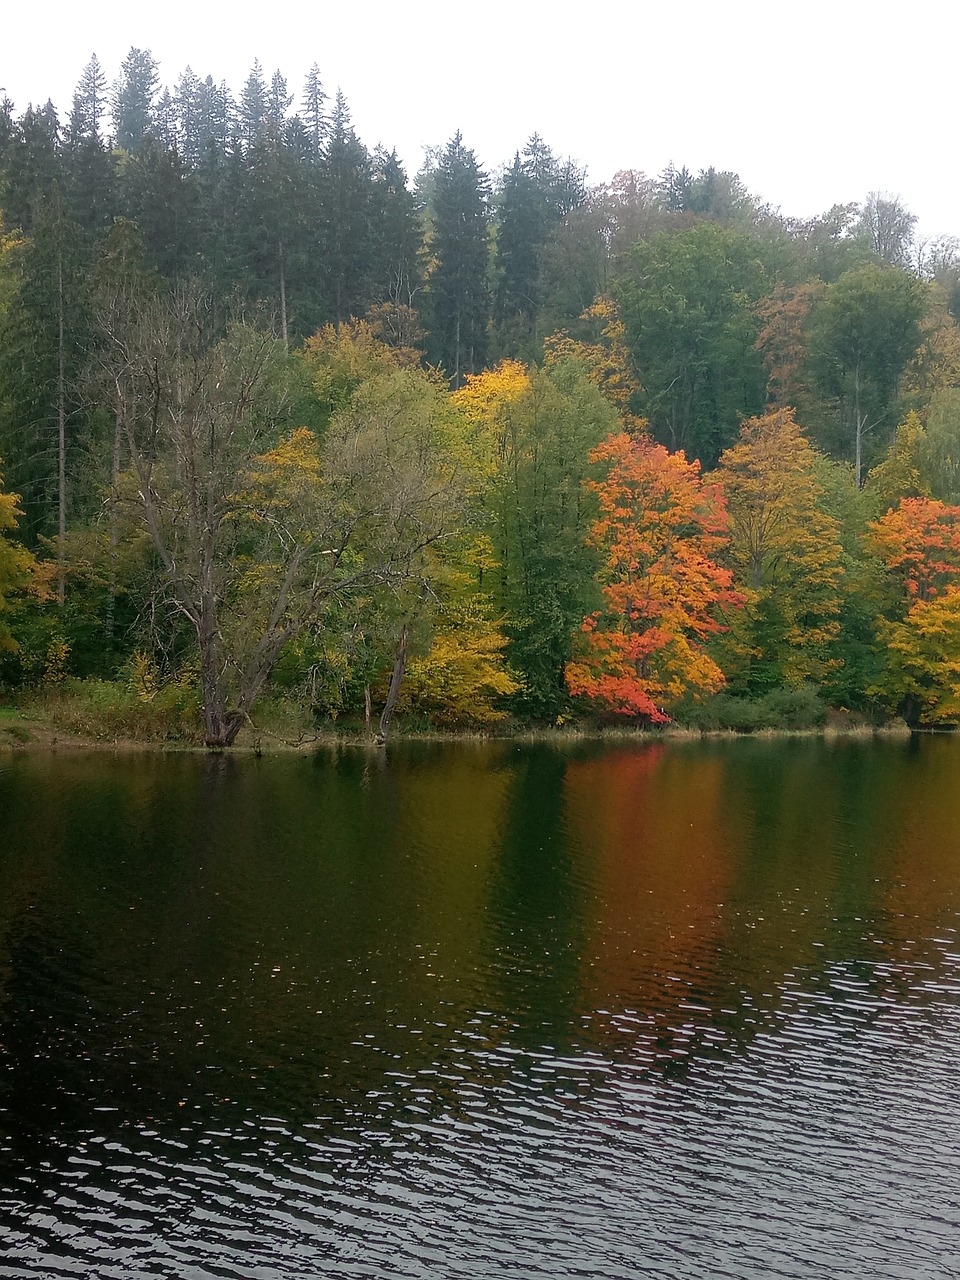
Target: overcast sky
812, 104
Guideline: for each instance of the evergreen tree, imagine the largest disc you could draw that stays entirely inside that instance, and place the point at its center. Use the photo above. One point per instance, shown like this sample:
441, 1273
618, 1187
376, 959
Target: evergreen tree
90, 169
132, 99
159, 193
314, 119
89, 104
347, 211
458, 298
397, 233
43, 336
30, 167
253, 109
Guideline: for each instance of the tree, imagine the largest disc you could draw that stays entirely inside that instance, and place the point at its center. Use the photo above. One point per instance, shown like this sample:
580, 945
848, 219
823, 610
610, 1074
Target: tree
132, 99
863, 332
888, 226
919, 542
347, 216
256, 526
530, 436
89, 104
605, 361
900, 474
660, 528
785, 553
687, 303
42, 340
462, 678
314, 118
537, 192
782, 340
457, 288
17, 565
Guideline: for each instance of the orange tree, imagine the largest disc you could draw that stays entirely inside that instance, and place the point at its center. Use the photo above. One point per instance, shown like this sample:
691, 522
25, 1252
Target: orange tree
919, 542
659, 529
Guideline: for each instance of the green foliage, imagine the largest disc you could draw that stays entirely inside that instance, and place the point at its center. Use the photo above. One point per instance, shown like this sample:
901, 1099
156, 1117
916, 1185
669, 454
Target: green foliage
457, 299
798, 708
863, 331
106, 710
687, 302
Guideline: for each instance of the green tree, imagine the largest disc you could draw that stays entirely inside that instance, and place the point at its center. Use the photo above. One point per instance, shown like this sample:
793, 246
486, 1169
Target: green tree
458, 302
532, 435
131, 102
863, 332
347, 214
687, 303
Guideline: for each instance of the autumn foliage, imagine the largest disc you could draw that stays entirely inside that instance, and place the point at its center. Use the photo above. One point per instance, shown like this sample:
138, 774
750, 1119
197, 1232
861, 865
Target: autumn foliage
784, 550
660, 529
919, 541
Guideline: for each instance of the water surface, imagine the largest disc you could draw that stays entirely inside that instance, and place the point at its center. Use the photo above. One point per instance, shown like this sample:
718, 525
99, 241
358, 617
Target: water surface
686, 1010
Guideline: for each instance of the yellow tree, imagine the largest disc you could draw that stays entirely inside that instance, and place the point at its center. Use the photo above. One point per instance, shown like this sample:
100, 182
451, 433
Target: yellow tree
786, 554
606, 361
17, 566
900, 474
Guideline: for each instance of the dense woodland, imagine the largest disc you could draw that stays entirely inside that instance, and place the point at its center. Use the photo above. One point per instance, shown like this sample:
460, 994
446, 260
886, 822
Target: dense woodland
282, 425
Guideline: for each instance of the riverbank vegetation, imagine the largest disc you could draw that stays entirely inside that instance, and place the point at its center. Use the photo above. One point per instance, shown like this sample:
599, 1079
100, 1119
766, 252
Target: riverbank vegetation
287, 437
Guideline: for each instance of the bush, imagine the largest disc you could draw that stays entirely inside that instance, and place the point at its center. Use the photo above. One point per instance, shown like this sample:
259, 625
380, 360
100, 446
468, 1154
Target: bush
104, 709
780, 709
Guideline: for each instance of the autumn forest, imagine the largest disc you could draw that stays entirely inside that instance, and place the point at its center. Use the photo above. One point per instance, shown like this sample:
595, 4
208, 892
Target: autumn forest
290, 437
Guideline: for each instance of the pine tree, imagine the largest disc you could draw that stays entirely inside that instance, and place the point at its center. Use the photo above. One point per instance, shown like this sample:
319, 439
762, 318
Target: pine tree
313, 116
347, 210
132, 99
458, 299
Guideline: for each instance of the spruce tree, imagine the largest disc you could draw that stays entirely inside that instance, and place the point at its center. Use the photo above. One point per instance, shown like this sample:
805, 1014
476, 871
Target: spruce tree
458, 297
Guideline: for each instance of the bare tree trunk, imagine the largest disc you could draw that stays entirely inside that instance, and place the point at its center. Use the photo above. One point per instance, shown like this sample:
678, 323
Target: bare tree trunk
858, 465
283, 296
393, 693
110, 620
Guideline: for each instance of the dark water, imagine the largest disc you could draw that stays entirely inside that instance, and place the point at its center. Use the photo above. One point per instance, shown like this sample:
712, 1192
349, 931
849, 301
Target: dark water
496, 1011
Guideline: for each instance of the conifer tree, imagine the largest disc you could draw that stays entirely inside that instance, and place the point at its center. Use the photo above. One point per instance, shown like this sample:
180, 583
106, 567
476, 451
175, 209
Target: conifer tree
458, 297
132, 99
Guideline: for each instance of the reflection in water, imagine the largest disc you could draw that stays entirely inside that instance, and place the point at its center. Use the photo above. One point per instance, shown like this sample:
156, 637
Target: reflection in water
664, 1010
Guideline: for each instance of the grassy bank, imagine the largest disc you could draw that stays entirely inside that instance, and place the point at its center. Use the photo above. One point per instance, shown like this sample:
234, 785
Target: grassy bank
99, 714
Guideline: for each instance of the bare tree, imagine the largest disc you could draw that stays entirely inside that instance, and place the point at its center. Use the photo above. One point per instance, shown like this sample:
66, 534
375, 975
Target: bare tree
256, 526
890, 226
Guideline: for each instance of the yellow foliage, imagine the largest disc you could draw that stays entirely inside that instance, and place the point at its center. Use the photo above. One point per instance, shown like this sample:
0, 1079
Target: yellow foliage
19, 570
899, 474
606, 362
923, 660
936, 366
461, 677
785, 550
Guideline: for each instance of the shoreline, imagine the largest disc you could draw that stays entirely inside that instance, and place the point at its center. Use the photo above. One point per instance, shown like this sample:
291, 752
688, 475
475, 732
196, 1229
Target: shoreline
21, 733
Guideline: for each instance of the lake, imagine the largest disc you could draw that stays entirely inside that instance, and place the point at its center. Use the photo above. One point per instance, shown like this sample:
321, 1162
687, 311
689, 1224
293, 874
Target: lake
668, 1009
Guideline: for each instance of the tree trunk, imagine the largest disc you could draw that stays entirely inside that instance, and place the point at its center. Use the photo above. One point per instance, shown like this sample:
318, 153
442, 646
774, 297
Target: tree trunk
61, 440
393, 694
283, 295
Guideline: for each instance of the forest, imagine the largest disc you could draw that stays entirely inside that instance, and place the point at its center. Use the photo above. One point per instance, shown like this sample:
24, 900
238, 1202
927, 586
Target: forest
291, 437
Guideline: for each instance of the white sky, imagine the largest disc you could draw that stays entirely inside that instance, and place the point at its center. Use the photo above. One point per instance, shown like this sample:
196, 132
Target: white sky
811, 103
